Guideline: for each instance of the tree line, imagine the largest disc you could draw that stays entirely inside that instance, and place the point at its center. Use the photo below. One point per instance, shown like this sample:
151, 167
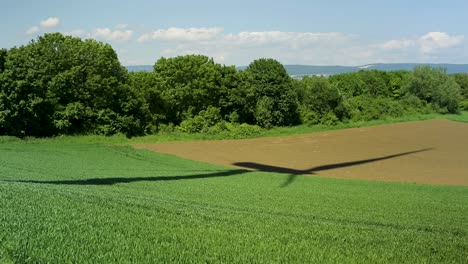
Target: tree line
63, 85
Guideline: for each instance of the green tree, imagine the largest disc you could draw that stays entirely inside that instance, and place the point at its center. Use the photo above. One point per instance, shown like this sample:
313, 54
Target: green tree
63, 85
189, 84
317, 99
434, 86
272, 89
3, 55
148, 86
237, 101
348, 84
462, 81
396, 82
376, 83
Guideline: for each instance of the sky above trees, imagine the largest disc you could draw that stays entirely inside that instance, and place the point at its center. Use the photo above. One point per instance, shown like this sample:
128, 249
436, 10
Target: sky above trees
236, 32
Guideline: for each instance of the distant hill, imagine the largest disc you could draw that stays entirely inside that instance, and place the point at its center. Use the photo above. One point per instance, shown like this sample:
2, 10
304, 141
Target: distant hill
139, 68
303, 70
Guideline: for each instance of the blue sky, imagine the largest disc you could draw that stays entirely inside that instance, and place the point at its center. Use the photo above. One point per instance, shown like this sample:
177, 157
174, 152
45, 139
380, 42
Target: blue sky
236, 32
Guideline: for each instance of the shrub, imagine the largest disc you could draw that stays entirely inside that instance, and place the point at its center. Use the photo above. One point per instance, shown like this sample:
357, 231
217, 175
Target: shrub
366, 108
464, 105
218, 128
201, 122
244, 131
434, 86
329, 119
264, 112
309, 118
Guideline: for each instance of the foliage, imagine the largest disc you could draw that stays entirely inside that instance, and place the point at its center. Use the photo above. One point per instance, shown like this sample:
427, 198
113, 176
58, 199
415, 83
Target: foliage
348, 84
462, 81
59, 85
3, 55
244, 131
435, 87
365, 108
320, 102
376, 83
396, 83
273, 92
63, 85
147, 86
201, 122
188, 84
464, 105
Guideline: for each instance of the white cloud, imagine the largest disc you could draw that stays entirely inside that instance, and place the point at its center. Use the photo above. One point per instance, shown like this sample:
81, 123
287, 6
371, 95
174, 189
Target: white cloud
433, 41
294, 38
110, 35
50, 22
287, 47
44, 24
104, 33
32, 30
429, 43
182, 34
121, 26
77, 33
315, 48
397, 44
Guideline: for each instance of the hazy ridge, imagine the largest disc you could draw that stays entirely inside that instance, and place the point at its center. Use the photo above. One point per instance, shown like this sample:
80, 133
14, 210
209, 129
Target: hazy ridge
298, 70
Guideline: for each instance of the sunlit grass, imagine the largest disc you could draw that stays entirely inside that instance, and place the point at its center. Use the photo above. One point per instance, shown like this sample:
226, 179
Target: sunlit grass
90, 203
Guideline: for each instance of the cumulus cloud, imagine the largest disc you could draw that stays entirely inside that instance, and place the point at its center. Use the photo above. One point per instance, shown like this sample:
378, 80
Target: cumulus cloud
433, 41
430, 42
316, 48
106, 34
77, 33
50, 22
32, 30
297, 38
121, 26
397, 44
182, 34
111, 35
43, 25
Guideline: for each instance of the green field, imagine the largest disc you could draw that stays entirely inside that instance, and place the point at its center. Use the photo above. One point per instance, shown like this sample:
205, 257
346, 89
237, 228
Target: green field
90, 203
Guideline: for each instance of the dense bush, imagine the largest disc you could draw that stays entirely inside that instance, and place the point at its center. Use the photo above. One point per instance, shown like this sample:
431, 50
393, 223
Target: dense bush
434, 86
275, 98
464, 105
63, 85
462, 81
188, 84
320, 102
201, 122
366, 108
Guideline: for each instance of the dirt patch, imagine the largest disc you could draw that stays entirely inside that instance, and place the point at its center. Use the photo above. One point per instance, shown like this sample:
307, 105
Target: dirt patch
433, 152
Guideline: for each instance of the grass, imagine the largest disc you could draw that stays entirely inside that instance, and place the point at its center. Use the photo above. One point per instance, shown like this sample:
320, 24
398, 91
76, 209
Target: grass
91, 203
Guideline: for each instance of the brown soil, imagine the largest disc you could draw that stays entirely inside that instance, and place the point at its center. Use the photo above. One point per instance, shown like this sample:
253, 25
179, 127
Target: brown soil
433, 152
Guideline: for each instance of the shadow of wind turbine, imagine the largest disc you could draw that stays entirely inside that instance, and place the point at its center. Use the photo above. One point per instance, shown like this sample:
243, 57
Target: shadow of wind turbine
293, 172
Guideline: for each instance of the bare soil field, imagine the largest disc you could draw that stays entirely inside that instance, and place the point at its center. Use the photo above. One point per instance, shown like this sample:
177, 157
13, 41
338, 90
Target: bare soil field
428, 152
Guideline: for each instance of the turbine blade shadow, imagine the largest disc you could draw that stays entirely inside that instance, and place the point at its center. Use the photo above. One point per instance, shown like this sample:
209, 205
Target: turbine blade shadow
293, 172
359, 162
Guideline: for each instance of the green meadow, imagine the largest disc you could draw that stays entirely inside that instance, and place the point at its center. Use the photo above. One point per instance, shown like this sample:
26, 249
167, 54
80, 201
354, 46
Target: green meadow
64, 202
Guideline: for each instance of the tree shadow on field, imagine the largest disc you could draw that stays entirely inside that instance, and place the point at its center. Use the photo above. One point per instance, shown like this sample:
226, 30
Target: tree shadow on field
293, 173
115, 180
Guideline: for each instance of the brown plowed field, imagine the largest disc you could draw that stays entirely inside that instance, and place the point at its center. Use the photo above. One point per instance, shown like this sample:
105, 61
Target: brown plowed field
433, 152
